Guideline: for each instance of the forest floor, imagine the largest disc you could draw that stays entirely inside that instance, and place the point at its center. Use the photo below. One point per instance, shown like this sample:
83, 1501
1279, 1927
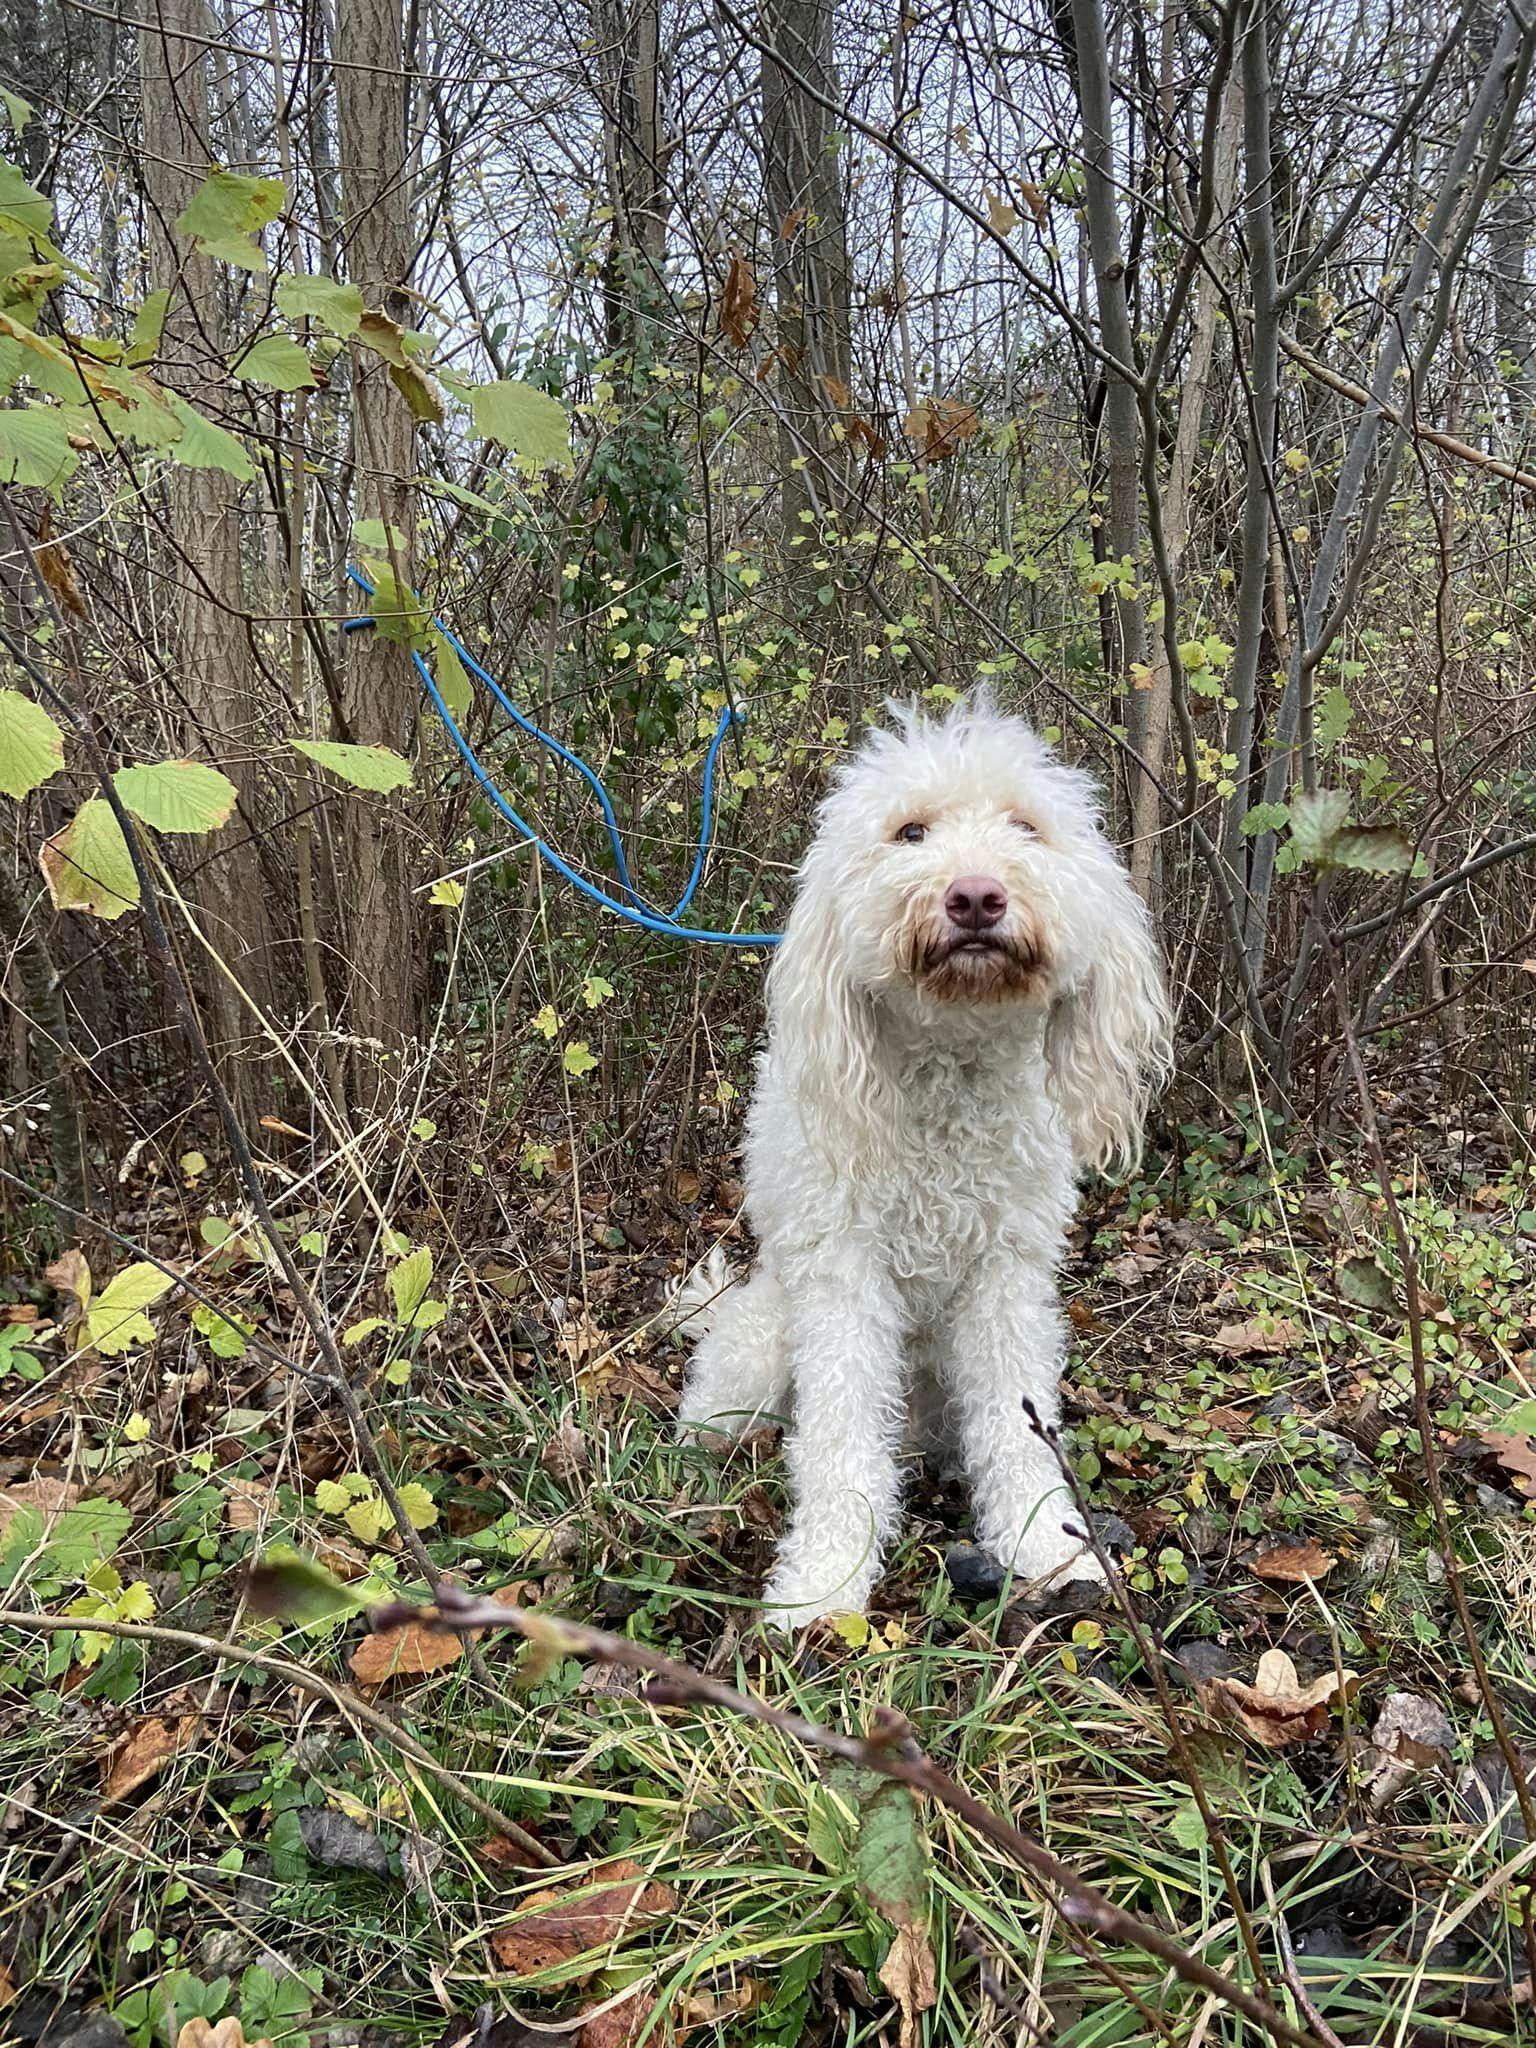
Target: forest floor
183, 1836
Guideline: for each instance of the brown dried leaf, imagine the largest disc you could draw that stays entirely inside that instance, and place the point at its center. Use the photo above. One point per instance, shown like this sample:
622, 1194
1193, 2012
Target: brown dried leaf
1517, 1454
939, 426
1264, 1336
867, 437
1037, 203
564, 1455
409, 1652
70, 1274
738, 304
49, 1496
909, 1975
573, 1920
247, 1504
226, 2033
1277, 1709
1001, 217
58, 568
1294, 1563
135, 1760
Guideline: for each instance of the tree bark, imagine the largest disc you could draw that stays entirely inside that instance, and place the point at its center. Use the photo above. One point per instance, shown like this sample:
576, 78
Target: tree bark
1120, 421
380, 687
218, 675
808, 230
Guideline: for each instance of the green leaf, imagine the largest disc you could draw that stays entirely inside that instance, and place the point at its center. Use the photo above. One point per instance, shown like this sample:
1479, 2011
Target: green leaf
1187, 1827
148, 325
202, 445
447, 894
332, 1498
384, 336
451, 677
225, 1334
1333, 716
419, 1505
34, 447
336, 306
177, 796
578, 1058
19, 110
17, 198
368, 1519
1364, 1282
357, 1333
289, 1587
890, 1849
115, 1320
1315, 819
1265, 818
373, 768
227, 211
529, 422
1373, 849
87, 866
86, 1534
418, 391
278, 362
31, 745
595, 990
410, 1280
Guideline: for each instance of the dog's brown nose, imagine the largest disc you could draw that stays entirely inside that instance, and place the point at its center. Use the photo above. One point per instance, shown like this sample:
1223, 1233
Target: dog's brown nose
976, 902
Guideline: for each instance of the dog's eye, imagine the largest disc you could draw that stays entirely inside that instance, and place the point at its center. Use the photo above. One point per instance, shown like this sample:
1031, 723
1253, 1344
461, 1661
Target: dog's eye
1026, 826
912, 833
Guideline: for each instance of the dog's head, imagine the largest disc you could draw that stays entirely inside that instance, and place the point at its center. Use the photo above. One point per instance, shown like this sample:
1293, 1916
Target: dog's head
959, 881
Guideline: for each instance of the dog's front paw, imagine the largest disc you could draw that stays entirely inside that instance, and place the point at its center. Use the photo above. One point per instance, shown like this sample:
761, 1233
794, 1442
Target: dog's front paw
793, 1600
1047, 1556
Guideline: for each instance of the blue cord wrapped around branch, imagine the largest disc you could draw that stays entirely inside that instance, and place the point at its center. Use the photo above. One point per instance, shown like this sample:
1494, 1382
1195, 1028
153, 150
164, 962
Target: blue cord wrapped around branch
632, 906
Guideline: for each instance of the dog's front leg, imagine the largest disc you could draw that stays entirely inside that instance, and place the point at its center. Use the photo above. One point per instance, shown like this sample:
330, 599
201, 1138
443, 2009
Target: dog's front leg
845, 1343
1008, 1343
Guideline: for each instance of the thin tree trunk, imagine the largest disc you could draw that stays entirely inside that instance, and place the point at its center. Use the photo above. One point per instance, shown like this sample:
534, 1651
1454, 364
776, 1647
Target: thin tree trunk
380, 688
807, 225
1121, 418
217, 670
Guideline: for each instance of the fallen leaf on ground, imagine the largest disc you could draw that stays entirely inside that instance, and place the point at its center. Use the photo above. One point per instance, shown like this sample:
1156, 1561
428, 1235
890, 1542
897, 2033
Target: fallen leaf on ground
486, 2028
70, 1274
1265, 1334
1517, 1454
572, 1919
228, 2033
49, 1496
247, 1503
1293, 1563
341, 1843
1277, 1709
135, 1760
564, 1455
1411, 1735
618, 2024
411, 1651
909, 1975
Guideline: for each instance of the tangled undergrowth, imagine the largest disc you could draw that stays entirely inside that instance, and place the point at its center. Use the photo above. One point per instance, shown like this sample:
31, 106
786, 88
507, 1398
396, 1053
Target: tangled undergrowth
190, 1835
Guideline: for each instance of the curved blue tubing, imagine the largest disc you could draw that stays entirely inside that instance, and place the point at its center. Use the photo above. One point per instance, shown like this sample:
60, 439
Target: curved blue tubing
636, 911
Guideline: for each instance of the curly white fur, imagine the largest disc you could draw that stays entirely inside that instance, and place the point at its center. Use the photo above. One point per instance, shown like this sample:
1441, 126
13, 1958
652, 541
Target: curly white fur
923, 1106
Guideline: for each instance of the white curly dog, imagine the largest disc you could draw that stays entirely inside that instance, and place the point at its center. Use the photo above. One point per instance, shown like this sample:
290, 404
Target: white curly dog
967, 1008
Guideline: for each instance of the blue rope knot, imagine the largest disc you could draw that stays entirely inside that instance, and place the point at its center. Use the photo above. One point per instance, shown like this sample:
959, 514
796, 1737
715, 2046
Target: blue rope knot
635, 910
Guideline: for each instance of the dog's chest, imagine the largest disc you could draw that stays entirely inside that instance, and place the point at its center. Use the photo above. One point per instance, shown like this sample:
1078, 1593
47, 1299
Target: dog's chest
977, 1173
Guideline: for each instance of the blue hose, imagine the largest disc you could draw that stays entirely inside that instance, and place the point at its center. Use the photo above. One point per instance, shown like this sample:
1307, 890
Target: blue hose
636, 910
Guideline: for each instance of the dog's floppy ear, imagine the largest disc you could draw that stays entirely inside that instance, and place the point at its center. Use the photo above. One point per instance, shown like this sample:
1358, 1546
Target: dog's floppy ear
1108, 1037
823, 1030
